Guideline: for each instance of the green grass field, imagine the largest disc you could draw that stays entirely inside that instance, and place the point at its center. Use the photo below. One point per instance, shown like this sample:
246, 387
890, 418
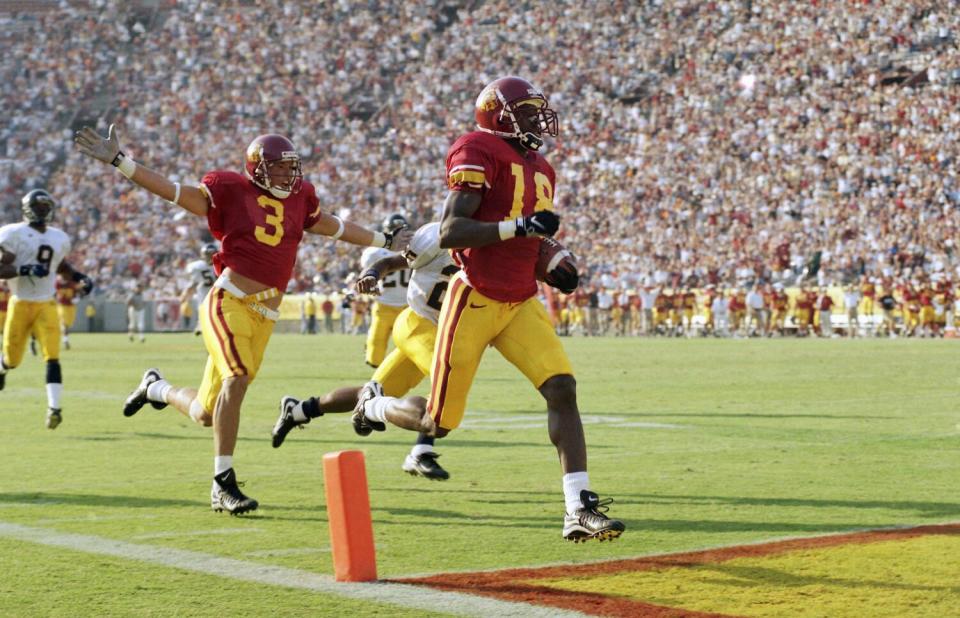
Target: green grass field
701, 443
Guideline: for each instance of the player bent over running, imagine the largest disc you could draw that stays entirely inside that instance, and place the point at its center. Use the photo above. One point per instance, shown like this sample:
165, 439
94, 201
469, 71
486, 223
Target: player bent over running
259, 217
500, 201
414, 334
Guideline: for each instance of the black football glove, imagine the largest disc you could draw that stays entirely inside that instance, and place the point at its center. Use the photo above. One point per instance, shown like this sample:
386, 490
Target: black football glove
34, 270
542, 223
86, 283
564, 280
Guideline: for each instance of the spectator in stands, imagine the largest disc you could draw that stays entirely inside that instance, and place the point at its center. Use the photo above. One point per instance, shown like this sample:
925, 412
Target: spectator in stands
746, 142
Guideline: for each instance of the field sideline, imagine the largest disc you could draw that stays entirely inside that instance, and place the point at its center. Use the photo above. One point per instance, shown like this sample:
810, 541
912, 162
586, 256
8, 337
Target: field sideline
702, 443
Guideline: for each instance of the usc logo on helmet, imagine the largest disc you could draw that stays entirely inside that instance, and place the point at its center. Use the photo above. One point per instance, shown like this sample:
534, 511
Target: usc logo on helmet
487, 101
253, 153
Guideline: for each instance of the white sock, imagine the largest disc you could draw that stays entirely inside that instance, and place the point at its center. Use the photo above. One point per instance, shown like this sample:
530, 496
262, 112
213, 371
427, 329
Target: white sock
3, 367
573, 484
158, 391
298, 414
222, 463
420, 449
376, 408
54, 390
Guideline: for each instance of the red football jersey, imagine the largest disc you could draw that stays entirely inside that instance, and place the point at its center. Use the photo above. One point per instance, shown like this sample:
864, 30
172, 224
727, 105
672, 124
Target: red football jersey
66, 290
511, 186
258, 233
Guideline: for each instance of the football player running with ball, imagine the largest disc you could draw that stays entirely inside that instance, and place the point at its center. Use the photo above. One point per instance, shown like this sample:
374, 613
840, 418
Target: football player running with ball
414, 334
31, 256
499, 205
259, 217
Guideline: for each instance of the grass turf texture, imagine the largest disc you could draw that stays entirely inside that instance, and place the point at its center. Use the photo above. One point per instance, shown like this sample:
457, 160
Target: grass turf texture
702, 443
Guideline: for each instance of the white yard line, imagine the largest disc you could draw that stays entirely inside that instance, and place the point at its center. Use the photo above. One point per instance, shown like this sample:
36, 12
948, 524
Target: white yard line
413, 597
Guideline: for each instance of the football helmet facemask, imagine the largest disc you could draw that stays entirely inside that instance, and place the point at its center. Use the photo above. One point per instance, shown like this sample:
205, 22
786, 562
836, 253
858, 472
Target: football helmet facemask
263, 154
394, 222
507, 102
38, 206
208, 250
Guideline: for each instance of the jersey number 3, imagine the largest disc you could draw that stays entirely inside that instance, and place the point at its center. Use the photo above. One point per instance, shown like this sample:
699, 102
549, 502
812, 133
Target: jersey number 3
271, 234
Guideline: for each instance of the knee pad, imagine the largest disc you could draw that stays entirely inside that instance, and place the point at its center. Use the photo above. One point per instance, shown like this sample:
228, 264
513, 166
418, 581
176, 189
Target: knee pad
53, 372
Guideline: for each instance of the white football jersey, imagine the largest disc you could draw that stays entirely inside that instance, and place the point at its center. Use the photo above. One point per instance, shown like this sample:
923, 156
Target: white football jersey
203, 276
432, 268
30, 246
393, 287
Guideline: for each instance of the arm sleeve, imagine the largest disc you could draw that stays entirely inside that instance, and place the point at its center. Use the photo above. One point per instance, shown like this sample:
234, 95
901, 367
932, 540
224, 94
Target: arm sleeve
8, 242
313, 211
216, 187
371, 255
469, 169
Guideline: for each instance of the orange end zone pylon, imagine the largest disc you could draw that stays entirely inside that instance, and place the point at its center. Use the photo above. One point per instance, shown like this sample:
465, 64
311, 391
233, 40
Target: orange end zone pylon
348, 509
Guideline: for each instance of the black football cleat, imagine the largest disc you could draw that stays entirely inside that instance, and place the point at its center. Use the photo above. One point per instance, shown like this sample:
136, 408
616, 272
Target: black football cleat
138, 398
425, 465
286, 422
590, 521
361, 424
225, 495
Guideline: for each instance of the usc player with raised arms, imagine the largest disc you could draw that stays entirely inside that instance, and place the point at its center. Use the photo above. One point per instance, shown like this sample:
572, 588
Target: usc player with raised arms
499, 205
259, 217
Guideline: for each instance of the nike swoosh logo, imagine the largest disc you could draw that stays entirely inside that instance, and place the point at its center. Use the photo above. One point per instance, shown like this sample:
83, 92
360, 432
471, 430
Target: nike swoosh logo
472, 306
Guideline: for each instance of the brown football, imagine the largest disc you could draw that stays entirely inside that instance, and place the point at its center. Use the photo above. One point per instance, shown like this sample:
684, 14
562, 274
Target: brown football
555, 258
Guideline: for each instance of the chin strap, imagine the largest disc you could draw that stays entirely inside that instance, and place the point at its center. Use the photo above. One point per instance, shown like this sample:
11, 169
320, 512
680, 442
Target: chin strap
531, 141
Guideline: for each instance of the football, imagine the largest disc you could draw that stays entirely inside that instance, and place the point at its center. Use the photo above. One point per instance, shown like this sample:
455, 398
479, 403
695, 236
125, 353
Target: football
557, 266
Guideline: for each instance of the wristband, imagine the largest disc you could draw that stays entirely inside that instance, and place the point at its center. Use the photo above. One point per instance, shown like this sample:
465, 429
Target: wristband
340, 229
380, 240
176, 194
507, 229
125, 164
371, 272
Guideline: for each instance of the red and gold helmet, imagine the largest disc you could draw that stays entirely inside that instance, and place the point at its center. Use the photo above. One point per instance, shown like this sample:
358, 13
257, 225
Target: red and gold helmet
497, 106
267, 150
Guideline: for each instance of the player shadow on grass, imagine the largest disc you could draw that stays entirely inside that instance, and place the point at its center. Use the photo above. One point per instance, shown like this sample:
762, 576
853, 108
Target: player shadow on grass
188, 436
101, 500
743, 415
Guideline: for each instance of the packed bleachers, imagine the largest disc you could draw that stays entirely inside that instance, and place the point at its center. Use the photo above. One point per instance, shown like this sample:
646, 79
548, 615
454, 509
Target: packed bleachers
721, 143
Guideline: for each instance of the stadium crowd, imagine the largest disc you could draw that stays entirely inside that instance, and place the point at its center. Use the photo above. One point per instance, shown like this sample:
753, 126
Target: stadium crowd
724, 144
